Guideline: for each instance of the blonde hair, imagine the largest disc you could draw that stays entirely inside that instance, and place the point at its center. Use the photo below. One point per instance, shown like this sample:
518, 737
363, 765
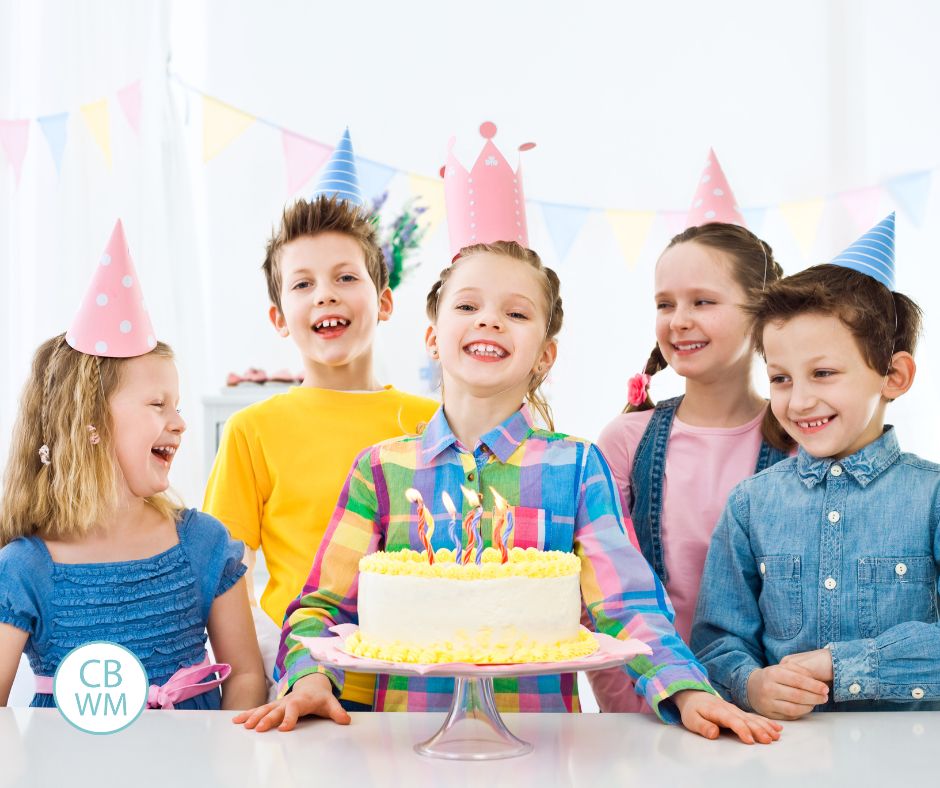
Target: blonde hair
551, 289
66, 393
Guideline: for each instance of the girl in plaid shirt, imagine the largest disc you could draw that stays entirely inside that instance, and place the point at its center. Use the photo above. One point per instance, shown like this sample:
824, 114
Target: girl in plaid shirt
495, 314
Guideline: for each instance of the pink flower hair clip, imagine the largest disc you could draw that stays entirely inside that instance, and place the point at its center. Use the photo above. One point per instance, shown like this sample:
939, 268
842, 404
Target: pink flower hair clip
636, 389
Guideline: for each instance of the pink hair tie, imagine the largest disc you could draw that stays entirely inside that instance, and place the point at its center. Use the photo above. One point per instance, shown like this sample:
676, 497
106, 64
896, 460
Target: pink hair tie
636, 389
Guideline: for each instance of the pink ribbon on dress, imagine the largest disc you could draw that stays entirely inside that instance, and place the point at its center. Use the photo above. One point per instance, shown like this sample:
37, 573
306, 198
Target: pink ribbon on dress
186, 683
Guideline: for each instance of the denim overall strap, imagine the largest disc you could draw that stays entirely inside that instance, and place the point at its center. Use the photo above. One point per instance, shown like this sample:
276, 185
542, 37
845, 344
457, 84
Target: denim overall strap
767, 456
646, 484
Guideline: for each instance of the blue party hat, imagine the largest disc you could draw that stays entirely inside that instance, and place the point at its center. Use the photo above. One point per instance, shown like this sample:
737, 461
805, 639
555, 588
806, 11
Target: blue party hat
873, 253
338, 176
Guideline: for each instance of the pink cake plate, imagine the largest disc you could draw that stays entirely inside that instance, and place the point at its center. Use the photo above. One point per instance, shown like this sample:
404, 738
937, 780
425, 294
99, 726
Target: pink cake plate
473, 729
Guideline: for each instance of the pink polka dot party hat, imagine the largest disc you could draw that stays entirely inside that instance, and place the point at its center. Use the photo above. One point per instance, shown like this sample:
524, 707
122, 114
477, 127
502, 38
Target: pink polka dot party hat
714, 201
112, 320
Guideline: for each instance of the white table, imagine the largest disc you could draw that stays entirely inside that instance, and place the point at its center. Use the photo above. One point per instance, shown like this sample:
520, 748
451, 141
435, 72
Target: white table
183, 748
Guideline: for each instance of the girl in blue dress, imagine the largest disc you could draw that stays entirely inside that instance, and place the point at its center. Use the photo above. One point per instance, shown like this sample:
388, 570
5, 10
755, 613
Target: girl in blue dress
94, 550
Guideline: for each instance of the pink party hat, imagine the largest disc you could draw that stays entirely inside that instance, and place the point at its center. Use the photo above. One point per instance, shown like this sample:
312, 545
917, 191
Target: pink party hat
714, 201
486, 204
113, 320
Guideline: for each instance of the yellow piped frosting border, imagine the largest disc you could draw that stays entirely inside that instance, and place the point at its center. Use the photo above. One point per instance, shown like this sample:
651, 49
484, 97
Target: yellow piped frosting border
527, 562
478, 653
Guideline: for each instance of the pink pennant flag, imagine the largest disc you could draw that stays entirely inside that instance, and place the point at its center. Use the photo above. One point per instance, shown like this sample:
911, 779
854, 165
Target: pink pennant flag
675, 221
302, 158
129, 99
863, 205
14, 137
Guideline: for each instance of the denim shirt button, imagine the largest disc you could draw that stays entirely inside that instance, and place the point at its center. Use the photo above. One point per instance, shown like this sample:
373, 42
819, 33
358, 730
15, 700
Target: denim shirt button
854, 689
917, 693
900, 570
836, 470
830, 583
834, 517
763, 568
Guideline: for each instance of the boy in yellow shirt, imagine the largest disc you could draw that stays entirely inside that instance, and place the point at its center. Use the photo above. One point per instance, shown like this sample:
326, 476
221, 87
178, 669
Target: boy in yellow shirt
282, 462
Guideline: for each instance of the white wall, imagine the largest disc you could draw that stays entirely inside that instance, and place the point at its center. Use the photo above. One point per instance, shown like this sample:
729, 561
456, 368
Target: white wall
799, 100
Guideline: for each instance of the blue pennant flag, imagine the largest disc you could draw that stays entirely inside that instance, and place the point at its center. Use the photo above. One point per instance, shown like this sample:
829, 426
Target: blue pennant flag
55, 129
564, 222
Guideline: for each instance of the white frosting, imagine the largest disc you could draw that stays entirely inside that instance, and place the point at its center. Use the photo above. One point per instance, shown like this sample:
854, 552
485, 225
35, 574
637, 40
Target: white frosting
423, 611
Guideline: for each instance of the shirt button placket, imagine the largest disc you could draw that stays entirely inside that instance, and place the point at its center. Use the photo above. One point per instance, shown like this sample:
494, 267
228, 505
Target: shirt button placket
830, 554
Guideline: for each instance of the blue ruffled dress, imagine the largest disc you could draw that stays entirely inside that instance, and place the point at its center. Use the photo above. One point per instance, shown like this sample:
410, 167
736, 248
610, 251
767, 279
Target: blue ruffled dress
157, 607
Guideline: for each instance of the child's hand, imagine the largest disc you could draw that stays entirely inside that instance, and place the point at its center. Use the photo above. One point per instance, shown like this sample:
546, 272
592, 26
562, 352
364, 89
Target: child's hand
785, 692
704, 713
310, 695
818, 662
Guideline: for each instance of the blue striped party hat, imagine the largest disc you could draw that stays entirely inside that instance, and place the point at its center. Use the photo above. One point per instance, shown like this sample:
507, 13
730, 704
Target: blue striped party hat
338, 176
873, 253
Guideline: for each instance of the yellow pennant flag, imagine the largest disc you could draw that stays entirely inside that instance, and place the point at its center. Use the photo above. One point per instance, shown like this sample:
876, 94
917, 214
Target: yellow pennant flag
98, 122
429, 193
631, 229
803, 219
221, 124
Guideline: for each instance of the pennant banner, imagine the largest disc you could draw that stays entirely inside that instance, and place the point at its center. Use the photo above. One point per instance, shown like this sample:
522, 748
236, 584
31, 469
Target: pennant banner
675, 221
373, 177
755, 218
302, 158
564, 222
803, 219
863, 205
430, 192
911, 192
14, 138
55, 130
130, 100
221, 125
631, 229
98, 121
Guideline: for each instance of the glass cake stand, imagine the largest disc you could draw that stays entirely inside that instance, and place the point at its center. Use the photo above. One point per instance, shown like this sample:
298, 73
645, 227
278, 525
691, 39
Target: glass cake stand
473, 729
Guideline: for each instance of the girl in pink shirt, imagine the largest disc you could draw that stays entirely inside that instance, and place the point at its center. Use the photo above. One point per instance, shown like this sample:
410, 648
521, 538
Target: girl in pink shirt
676, 462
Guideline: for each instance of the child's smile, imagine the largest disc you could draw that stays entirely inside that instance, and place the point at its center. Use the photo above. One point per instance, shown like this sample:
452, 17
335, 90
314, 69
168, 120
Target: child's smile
821, 389
688, 348
331, 326
486, 351
329, 303
700, 328
146, 426
490, 331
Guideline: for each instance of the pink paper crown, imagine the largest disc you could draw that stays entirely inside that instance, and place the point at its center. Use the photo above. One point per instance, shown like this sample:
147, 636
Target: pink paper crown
714, 201
486, 204
112, 320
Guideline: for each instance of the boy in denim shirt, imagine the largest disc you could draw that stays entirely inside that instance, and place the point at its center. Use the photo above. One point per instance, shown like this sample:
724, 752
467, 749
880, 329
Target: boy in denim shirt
820, 586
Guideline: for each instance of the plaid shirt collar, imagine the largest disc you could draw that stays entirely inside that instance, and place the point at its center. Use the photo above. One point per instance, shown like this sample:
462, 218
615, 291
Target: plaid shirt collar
502, 440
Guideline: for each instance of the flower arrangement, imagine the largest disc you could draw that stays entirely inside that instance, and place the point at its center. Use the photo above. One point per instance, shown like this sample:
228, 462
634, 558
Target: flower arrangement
400, 238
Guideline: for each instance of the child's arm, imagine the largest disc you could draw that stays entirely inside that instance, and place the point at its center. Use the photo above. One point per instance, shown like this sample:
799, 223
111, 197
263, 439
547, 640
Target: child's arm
12, 643
235, 492
329, 597
232, 635
728, 623
625, 599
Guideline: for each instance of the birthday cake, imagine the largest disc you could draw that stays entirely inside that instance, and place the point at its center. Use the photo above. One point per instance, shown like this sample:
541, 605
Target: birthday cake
512, 606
